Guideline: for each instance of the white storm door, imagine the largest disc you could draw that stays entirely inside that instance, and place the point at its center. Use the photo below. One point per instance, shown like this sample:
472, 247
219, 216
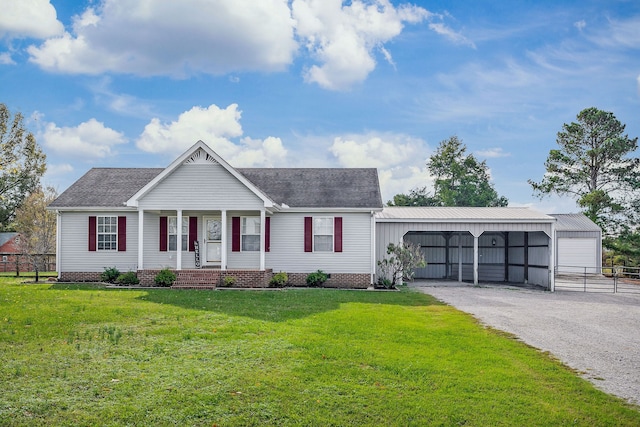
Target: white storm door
212, 240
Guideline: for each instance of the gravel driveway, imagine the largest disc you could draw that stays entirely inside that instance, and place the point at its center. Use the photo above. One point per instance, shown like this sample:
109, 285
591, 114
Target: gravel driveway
597, 334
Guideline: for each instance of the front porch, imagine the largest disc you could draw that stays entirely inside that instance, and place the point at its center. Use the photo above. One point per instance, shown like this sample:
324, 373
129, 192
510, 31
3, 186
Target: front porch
210, 278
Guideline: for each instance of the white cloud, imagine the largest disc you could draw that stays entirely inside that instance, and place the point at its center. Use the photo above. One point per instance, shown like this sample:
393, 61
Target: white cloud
343, 38
90, 139
580, 25
492, 153
5, 59
400, 159
29, 18
456, 37
157, 37
216, 127
375, 151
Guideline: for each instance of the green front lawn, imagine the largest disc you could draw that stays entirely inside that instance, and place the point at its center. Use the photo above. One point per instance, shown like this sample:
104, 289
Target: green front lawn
86, 355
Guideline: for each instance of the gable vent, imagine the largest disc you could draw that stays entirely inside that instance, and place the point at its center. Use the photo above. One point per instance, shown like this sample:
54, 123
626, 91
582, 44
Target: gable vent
200, 158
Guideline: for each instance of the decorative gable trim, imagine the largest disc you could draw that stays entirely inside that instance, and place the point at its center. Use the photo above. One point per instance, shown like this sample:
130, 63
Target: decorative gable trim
200, 157
186, 156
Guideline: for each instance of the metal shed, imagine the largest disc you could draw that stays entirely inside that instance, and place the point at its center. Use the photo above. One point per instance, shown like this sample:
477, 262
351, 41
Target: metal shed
579, 243
513, 245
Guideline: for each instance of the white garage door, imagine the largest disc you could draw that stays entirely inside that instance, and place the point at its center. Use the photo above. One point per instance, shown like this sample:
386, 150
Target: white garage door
574, 254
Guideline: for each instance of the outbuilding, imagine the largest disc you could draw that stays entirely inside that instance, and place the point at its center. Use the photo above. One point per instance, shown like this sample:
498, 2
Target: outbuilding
513, 245
579, 243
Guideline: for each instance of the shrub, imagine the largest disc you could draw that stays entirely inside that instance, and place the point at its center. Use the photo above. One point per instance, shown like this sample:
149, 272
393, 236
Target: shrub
110, 274
128, 278
279, 280
317, 278
403, 259
228, 281
165, 277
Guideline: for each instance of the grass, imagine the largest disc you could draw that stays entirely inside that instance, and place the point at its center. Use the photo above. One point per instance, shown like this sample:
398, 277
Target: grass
86, 355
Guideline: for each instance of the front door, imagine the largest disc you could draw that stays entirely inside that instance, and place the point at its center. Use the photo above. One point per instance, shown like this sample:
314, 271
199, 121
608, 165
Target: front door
212, 240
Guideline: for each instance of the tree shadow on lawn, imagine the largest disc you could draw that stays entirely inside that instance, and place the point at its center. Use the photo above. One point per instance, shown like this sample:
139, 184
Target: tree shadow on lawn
273, 306
280, 306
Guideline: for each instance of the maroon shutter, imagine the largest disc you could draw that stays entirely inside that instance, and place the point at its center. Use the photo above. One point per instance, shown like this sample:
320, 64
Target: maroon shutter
163, 234
267, 234
235, 234
308, 234
122, 233
93, 231
337, 234
193, 232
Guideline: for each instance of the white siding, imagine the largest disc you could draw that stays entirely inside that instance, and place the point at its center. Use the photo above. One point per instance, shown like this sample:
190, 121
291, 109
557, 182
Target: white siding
287, 245
200, 187
74, 249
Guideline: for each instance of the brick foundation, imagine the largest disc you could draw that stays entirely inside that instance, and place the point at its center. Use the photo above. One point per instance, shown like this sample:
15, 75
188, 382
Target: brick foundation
337, 280
207, 278
77, 276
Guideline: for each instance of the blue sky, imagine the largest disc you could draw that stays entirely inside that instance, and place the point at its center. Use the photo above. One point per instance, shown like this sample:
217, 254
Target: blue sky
317, 83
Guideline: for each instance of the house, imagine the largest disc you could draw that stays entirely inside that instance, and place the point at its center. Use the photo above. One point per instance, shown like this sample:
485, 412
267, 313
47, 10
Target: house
9, 250
208, 220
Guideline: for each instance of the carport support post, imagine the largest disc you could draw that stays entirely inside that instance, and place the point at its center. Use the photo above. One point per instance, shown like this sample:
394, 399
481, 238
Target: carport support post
475, 260
460, 257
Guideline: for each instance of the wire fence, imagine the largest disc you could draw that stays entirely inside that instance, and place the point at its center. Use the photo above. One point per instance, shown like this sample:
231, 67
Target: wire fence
616, 279
17, 264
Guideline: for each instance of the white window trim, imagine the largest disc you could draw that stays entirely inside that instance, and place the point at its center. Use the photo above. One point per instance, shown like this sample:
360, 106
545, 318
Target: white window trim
242, 234
185, 236
99, 233
333, 232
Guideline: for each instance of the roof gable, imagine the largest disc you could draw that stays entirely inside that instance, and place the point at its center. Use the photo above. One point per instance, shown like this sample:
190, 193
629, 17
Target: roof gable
199, 153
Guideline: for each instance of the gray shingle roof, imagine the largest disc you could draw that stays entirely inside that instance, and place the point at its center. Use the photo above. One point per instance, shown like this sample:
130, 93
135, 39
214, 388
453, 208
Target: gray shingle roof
318, 188
105, 187
574, 222
310, 188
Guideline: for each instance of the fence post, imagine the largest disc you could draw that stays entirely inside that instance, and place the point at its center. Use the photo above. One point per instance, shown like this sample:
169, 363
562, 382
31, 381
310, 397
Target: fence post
585, 279
615, 280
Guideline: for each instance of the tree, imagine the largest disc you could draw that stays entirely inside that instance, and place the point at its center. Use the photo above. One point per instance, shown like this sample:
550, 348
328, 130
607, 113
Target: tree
461, 180
37, 227
416, 197
593, 165
22, 164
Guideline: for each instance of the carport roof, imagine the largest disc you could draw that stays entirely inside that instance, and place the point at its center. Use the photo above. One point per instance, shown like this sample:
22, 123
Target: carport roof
460, 214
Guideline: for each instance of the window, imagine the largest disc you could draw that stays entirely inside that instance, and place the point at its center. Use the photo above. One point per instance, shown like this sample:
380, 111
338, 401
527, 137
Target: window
250, 233
172, 225
322, 234
107, 233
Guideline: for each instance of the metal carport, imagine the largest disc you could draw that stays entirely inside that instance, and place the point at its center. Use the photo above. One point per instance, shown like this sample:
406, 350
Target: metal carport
513, 245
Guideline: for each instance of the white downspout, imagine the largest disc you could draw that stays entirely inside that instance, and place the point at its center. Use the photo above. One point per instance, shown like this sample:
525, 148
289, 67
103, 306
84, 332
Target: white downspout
374, 263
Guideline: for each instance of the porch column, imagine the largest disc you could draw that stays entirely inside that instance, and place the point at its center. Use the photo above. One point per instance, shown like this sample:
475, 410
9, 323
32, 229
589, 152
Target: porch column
475, 260
223, 241
58, 233
179, 239
262, 234
141, 239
